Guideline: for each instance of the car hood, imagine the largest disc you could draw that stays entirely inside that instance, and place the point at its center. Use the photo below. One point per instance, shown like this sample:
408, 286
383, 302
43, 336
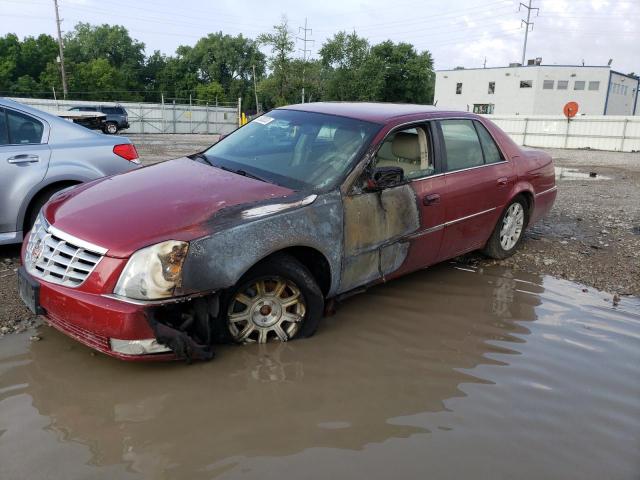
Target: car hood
174, 200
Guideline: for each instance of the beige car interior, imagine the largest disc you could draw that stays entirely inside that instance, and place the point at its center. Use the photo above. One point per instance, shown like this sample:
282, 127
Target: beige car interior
409, 150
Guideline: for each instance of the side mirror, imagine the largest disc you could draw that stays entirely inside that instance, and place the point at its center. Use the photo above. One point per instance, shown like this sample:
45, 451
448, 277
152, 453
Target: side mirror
385, 177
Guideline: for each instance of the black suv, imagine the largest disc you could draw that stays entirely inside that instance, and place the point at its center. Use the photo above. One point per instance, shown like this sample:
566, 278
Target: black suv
117, 117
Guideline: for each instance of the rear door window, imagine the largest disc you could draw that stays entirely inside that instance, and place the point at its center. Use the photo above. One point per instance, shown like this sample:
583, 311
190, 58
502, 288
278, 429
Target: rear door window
491, 151
23, 129
462, 145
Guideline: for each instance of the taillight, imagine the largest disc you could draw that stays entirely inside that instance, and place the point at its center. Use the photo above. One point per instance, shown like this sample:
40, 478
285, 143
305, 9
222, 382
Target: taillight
127, 151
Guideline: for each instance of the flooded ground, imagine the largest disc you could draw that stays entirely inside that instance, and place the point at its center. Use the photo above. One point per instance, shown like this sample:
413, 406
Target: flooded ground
447, 373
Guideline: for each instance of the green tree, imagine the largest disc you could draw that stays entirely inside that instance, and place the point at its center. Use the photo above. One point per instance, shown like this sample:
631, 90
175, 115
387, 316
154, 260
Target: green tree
225, 59
211, 92
351, 72
282, 46
408, 76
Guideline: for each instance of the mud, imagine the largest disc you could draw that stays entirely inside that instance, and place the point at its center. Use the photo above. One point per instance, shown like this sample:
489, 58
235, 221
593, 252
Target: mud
446, 373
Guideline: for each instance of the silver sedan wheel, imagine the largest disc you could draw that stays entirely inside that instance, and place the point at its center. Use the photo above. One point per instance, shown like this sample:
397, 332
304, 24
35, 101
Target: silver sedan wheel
512, 224
267, 309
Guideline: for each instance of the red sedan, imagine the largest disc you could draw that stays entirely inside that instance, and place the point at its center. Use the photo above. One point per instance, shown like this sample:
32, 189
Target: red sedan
247, 240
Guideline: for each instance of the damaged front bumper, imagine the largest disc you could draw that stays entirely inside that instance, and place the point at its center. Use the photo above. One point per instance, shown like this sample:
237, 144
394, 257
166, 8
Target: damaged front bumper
131, 331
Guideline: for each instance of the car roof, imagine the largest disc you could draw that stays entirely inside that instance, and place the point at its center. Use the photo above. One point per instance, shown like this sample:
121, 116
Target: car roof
369, 111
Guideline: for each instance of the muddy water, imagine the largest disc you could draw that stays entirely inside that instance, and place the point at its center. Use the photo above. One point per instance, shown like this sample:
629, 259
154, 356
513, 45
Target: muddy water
446, 373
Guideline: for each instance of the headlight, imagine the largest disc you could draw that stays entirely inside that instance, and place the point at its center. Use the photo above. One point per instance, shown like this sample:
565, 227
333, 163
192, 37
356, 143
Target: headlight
153, 272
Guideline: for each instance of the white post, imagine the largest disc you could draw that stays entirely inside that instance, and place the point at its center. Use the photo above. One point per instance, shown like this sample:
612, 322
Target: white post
162, 101
624, 134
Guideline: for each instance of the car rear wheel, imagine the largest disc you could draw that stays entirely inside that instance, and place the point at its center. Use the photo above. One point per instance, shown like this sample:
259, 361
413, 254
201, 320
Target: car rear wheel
277, 300
509, 230
111, 128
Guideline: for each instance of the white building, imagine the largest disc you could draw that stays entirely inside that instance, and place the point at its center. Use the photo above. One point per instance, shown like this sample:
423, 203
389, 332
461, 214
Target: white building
538, 89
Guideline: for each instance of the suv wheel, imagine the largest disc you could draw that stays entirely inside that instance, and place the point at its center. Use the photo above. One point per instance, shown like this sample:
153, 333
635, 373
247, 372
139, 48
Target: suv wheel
111, 128
277, 300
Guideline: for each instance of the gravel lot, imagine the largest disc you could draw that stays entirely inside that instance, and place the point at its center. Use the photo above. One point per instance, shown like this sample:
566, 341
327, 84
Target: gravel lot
592, 235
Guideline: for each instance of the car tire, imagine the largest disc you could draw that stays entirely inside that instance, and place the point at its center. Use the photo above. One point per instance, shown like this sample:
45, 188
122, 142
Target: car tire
278, 299
111, 128
509, 230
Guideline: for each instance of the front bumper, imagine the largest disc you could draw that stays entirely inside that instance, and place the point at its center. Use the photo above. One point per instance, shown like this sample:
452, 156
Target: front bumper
93, 320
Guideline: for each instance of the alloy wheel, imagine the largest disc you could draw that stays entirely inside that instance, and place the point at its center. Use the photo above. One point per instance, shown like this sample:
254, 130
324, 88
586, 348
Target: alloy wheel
266, 309
512, 224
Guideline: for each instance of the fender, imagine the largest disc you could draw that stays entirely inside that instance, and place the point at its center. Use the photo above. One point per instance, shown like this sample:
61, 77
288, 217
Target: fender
218, 260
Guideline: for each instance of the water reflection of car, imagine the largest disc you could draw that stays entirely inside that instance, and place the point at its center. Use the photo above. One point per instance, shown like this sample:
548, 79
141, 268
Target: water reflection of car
247, 240
41, 154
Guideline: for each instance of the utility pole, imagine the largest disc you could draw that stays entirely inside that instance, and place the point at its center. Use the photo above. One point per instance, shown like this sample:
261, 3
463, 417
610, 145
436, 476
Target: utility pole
304, 50
64, 75
255, 89
526, 24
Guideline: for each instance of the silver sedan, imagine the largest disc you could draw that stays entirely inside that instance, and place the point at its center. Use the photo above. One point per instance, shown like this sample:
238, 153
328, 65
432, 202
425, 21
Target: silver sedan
41, 154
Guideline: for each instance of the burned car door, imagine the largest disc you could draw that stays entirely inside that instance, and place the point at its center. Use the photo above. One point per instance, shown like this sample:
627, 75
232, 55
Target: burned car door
394, 227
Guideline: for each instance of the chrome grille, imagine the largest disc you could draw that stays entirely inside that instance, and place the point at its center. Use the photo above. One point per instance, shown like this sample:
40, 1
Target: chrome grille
57, 257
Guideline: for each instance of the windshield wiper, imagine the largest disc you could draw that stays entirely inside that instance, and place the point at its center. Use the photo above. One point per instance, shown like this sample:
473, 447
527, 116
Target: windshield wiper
244, 173
202, 156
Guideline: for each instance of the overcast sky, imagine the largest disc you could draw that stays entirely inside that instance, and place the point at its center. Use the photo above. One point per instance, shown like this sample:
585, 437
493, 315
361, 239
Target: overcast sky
457, 32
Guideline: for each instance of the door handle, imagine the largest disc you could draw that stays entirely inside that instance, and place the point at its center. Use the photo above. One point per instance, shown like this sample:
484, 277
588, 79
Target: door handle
23, 158
431, 199
502, 181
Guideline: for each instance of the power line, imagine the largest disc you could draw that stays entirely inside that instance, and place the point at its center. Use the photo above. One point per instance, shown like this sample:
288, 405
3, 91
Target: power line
526, 25
304, 50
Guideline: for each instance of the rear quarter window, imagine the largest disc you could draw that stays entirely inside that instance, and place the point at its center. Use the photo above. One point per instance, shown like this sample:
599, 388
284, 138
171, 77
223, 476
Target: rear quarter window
23, 129
491, 151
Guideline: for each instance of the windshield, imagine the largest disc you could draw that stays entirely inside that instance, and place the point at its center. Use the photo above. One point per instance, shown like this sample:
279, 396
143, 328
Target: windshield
298, 150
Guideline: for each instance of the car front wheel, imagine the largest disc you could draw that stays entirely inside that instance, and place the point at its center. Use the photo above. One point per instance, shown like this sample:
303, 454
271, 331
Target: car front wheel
277, 300
509, 230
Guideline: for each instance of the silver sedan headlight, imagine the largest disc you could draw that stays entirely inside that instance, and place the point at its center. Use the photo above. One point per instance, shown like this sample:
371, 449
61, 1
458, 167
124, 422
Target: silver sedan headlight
154, 272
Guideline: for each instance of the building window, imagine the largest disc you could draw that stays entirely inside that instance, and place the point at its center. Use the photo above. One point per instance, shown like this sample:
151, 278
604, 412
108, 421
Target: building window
526, 83
492, 87
594, 85
563, 84
547, 85
625, 89
485, 108
458, 88
578, 85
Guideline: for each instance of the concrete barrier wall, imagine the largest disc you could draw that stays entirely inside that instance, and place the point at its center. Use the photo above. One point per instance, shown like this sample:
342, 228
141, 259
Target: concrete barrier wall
157, 117
616, 133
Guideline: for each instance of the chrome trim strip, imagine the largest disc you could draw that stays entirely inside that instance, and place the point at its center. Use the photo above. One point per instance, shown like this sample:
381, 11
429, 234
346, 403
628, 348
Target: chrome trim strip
426, 231
435, 228
150, 303
461, 219
549, 190
277, 207
77, 241
477, 166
